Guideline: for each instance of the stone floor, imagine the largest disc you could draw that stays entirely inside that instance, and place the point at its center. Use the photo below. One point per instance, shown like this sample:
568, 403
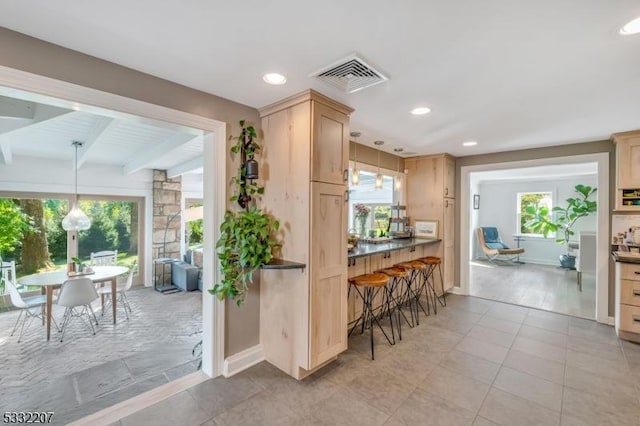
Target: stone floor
477, 362
87, 373
536, 286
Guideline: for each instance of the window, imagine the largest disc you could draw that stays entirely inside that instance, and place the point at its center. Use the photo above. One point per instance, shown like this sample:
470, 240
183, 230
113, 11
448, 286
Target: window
377, 200
535, 199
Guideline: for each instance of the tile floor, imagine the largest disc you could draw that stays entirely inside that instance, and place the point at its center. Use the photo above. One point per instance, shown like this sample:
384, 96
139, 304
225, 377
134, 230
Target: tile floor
87, 373
536, 286
477, 362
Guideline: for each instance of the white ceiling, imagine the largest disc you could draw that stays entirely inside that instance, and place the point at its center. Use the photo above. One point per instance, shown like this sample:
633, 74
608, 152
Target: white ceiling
509, 74
42, 130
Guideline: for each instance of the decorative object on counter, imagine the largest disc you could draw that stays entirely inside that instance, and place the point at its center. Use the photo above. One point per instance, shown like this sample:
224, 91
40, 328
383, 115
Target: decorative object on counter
246, 181
541, 221
362, 214
426, 229
247, 237
355, 175
376, 240
353, 240
476, 201
379, 175
78, 265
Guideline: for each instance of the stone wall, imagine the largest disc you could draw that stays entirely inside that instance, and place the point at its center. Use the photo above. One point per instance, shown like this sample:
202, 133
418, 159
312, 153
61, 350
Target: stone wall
167, 194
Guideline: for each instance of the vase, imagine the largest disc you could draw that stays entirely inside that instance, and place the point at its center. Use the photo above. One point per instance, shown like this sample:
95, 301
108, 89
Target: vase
362, 228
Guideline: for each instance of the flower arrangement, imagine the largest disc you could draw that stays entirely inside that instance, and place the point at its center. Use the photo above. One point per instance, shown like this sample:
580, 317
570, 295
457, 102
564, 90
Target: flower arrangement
362, 211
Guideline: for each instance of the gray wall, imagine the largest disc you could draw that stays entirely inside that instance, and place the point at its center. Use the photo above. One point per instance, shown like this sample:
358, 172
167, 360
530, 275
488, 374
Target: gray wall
28, 54
538, 153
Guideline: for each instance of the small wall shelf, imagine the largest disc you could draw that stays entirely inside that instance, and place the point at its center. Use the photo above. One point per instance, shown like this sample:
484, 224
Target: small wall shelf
283, 264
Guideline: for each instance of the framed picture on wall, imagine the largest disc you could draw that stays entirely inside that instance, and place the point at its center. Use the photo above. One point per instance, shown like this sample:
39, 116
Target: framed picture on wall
426, 229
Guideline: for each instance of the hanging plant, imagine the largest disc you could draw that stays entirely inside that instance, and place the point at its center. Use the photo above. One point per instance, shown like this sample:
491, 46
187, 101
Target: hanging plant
246, 237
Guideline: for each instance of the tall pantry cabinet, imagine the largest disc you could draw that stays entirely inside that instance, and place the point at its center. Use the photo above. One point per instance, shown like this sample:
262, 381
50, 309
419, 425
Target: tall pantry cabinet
304, 164
431, 196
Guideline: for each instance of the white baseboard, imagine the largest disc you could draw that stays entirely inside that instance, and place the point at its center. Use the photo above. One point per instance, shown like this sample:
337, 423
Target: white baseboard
612, 321
242, 360
455, 290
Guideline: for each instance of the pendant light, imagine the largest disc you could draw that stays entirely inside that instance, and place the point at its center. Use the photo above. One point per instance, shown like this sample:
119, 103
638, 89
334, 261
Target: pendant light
379, 175
398, 178
76, 220
355, 175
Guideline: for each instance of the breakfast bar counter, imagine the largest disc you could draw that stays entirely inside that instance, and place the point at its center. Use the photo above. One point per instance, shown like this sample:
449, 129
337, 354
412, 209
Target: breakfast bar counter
368, 249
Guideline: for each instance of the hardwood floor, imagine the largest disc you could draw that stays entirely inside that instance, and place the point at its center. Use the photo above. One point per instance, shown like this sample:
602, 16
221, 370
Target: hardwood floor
536, 286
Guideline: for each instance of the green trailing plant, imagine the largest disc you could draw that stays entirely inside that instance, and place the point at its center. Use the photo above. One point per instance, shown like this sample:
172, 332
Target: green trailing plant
247, 146
246, 240
543, 221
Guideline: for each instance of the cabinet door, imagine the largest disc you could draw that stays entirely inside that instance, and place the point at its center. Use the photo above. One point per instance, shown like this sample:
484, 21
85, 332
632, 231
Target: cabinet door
449, 177
628, 159
328, 271
449, 242
330, 152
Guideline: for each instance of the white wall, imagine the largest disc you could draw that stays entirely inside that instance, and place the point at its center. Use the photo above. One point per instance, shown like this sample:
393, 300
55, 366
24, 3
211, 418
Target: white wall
498, 207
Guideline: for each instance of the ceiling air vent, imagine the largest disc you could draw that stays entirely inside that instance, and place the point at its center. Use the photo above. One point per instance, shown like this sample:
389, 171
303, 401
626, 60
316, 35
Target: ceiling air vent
350, 74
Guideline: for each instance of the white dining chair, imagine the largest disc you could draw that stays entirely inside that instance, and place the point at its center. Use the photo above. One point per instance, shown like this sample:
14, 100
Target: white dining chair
76, 296
104, 258
30, 307
122, 291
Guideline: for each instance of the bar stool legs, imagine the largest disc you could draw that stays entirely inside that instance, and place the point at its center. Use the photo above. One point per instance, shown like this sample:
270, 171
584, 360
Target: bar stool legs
371, 285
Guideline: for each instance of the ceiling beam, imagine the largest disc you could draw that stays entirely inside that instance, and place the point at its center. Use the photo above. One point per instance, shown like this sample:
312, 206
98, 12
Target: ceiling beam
147, 156
188, 166
97, 132
43, 114
5, 152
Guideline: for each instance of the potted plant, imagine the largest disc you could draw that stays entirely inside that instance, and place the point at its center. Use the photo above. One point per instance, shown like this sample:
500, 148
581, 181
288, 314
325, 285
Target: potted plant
247, 236
562, 222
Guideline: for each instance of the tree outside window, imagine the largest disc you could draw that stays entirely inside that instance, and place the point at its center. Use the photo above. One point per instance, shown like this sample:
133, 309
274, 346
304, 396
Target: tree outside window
535, 199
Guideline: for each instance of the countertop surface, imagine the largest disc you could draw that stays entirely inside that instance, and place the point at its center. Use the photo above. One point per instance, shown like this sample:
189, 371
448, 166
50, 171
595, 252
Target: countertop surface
625, 257
364, 249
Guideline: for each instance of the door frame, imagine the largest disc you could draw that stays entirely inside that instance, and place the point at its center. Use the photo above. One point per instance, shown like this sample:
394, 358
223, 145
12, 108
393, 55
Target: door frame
68, 95
602, 233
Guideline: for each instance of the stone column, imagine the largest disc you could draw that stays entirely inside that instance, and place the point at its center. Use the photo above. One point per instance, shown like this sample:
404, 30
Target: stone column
167, 194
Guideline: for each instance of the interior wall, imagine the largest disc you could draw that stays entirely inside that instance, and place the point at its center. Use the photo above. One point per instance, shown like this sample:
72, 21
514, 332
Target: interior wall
498, 207
29, 54
539, 153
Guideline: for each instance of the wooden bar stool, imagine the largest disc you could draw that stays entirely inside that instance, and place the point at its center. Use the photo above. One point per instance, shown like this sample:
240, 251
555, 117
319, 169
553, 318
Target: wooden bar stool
433, 262
414, 285
371, 284
397, 277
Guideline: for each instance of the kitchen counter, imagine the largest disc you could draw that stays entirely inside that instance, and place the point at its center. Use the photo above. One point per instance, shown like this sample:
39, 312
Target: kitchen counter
625, 257
364, 249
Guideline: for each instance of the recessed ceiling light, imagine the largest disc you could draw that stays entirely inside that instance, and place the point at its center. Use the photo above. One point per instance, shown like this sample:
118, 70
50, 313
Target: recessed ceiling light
398, 149
378, 143
420, 111
469, 143
274, 78
632, 27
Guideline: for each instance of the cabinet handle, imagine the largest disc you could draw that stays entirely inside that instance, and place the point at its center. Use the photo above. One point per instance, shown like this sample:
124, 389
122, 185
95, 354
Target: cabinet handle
637, 272
636, 292
635, 318
446, 191
446, 203
345, 175
346, 196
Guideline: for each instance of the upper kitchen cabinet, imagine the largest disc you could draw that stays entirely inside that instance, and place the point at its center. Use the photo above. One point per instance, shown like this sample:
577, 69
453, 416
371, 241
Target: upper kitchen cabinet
330, 154
628, 170
449, 177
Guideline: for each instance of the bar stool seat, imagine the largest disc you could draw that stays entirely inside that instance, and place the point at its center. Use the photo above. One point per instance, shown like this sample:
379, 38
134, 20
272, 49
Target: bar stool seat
371, 284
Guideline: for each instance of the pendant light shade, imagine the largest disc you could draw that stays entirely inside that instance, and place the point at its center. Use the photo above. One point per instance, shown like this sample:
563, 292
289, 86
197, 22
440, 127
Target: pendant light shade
379, 175
76, 220
398, 178
355, 174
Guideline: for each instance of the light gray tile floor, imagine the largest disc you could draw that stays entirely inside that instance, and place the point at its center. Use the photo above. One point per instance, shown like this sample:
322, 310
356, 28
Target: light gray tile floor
87, 373
544, 287
520, 373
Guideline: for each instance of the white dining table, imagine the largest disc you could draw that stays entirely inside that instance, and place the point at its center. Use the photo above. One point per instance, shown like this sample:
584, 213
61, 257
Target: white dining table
49, 281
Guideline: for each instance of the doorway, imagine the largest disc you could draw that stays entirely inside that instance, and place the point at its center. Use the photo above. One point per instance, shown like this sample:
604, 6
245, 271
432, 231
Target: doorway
513, 287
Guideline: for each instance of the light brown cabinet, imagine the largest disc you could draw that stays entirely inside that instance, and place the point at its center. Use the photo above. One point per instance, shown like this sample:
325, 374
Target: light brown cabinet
627, 170
431, 196
627, 304
303, 315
